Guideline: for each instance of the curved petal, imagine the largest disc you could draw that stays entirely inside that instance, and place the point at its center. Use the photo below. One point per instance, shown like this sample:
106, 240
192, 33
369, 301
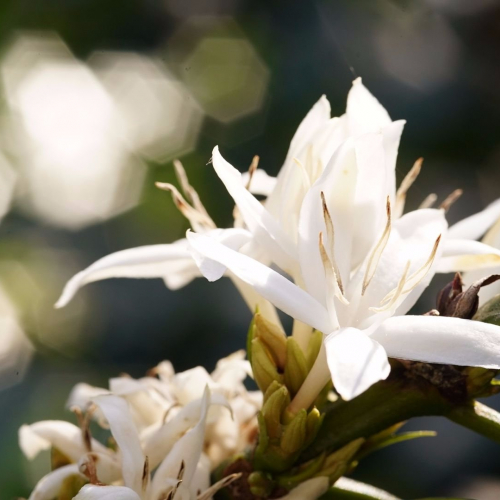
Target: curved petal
355, 361
64, 436
50, 485
364, 112
467, 255
476, 225
172, 262
437, 339
310, 489
93, 492
258, 220
315, 120
272, 286
124, 431
185, 453
159, 444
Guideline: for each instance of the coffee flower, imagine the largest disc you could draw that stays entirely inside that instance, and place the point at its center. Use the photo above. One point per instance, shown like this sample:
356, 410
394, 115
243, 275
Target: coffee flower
274, 228
160, 409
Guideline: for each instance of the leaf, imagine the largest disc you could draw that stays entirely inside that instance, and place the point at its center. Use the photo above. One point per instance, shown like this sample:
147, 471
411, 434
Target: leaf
394, 439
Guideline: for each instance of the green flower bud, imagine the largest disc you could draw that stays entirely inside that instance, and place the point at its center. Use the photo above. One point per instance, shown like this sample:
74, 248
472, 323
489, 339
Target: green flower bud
273, 337
261, 484
263, 366
272, 410
313, 348
294, 435
339, 462
301, 473
275, 385
489, 312
313, 424
296, 366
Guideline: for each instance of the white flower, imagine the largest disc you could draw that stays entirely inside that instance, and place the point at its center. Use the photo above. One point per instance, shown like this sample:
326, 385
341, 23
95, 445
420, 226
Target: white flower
162, 408
336, 228
175, 448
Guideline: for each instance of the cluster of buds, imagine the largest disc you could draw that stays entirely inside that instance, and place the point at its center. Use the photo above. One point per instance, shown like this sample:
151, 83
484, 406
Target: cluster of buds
280, 367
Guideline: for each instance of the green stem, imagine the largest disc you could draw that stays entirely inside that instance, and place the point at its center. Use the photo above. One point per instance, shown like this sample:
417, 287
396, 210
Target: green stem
393, 401
479, 418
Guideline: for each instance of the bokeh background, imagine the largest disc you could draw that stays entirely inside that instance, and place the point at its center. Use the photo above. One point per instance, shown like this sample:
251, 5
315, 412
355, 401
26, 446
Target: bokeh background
96, 100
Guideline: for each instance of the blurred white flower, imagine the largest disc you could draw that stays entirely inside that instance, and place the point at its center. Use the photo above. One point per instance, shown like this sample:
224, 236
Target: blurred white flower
79, 132
157, 411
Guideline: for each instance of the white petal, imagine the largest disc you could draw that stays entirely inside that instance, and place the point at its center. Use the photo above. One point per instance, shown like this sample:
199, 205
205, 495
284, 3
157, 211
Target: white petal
435, 339
258, 220
364, 112
467, 255
92, 492
272, 286
124, 431
392, 135
262, 183
49, 486
81, 397
159, 444
476, 225
412, 239
232, 238
152, 261
308, 490
338, 182
356, 361
64, 436
187, 450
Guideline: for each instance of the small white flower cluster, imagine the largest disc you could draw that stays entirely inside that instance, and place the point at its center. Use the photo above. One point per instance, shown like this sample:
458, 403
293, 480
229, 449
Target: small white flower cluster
180, 425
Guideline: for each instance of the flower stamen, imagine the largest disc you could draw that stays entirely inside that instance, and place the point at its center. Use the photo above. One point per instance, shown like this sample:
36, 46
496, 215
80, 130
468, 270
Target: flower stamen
450, 199
330, 235
378, 250
429, 200
409, 179
198, 220
189, 191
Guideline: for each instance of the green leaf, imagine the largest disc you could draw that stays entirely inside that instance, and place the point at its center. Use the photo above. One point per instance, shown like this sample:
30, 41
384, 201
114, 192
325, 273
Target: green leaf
348, 489
394, 439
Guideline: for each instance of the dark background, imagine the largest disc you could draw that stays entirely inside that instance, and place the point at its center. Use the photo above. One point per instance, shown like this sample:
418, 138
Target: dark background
255, 68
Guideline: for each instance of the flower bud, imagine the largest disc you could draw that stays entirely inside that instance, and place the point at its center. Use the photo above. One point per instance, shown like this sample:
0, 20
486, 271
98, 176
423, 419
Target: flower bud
273, 337
447, 296
313, 348
296, 366
313, 424
261, 484
294, 435
462, 304
339, 462
489, 312
273, 409
264, 368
